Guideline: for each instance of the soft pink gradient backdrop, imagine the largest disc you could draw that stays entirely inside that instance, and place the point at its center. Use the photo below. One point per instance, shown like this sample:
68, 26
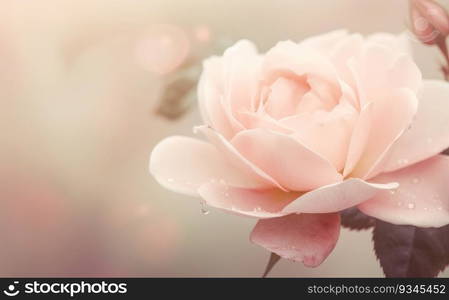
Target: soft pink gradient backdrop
78, 95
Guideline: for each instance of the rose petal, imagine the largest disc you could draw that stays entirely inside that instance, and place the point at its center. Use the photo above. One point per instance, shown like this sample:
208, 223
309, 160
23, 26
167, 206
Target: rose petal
325, 133
285, 159
228, 85
398, 43
307, 238
264, 121
390, 118
210, 95
283, 60
259, 203
337, 197
372, 68
343, 51
429, 132
325, 43
405, 74
236, 159
422, 198
183, 164
241, 69
284, 98
359, 138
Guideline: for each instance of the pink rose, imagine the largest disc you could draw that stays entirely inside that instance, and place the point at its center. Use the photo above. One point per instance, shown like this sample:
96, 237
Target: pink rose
307, 130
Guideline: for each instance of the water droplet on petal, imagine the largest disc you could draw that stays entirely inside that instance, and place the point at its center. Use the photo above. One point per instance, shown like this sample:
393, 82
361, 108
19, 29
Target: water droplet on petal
392, 192
411, 205
415, 180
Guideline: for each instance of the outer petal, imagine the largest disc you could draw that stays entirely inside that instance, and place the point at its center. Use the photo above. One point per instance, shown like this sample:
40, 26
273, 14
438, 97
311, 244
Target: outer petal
429, 132
422, 198
259, 203
268, 203
307, 238
336, 197
290, 163
183, 164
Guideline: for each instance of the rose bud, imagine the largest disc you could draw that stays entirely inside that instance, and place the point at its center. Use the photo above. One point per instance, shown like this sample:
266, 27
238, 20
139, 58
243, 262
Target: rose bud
429, 21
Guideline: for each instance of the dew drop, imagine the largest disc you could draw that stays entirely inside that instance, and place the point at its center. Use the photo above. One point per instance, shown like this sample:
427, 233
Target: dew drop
415, 180
392, 192
204, 210
402, 161
411, 206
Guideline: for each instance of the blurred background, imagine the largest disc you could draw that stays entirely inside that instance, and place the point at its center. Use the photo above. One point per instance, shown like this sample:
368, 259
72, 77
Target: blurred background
87, 89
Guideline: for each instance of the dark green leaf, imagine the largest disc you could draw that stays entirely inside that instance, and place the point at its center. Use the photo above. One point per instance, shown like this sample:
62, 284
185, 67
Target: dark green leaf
353, 218
409, 251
